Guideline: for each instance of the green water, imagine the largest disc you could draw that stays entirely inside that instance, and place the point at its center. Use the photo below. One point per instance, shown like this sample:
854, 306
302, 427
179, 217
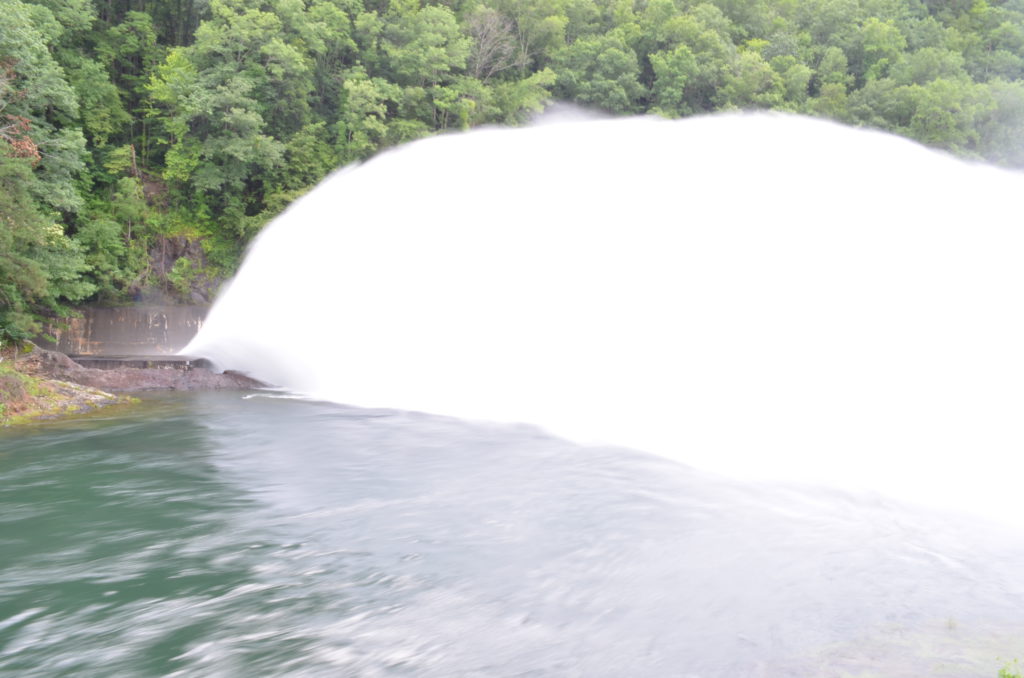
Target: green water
216, 535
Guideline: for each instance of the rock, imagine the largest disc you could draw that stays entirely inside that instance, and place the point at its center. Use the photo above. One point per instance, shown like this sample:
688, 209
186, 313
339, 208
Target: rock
26, 397
55, 365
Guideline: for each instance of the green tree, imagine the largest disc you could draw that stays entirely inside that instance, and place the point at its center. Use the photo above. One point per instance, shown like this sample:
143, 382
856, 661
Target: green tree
601, 71
674, 70
363, 122
103, 115
425, 47
880, 45
927, 64
751, 83
45, 101
226, 102
40, 267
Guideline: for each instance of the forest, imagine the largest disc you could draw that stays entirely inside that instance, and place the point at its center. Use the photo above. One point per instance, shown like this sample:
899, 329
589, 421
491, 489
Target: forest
143, 143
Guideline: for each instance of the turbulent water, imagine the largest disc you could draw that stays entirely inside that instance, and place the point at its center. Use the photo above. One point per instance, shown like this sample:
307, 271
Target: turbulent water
216, 535
766, 296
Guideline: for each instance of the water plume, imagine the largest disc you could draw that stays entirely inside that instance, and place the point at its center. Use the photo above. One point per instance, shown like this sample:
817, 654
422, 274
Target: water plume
765, 296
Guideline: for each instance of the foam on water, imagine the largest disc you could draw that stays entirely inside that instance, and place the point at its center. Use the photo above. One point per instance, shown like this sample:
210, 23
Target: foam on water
765, 296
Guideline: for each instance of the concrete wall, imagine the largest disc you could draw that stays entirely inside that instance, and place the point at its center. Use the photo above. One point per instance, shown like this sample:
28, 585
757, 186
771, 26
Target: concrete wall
127, 330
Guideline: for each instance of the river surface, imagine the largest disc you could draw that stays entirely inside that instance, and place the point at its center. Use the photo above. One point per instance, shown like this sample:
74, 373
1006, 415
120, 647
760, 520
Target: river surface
228, 535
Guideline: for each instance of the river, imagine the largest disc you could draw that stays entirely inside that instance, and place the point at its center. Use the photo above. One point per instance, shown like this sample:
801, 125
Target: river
217, 534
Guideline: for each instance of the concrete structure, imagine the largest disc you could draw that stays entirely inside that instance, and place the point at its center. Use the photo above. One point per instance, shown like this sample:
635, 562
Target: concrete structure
126, 331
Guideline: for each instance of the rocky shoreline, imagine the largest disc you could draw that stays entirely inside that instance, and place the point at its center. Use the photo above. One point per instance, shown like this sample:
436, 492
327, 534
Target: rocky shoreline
42, 384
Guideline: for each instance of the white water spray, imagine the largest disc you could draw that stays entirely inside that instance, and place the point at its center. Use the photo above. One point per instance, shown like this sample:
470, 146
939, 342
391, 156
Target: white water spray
762, 295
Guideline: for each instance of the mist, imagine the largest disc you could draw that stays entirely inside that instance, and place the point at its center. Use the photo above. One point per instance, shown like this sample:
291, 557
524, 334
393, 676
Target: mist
764, 296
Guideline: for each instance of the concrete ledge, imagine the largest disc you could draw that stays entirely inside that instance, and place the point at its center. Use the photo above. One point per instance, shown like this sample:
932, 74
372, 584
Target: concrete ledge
167, 362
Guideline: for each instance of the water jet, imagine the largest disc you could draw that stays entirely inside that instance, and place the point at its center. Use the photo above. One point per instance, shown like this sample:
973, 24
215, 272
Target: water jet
762, 295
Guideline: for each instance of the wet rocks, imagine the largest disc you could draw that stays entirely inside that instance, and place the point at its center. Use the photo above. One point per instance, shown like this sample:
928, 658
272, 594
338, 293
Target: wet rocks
55, 365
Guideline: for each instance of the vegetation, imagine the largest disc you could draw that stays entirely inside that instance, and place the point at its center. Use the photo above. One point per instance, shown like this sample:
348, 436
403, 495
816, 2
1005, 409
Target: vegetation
1011, 670
142, 144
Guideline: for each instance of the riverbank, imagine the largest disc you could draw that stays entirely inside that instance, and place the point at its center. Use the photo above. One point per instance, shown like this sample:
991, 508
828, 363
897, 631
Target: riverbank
39, 384
27, 398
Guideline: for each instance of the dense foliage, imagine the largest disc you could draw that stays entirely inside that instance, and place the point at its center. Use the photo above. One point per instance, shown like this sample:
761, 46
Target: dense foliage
144, 142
